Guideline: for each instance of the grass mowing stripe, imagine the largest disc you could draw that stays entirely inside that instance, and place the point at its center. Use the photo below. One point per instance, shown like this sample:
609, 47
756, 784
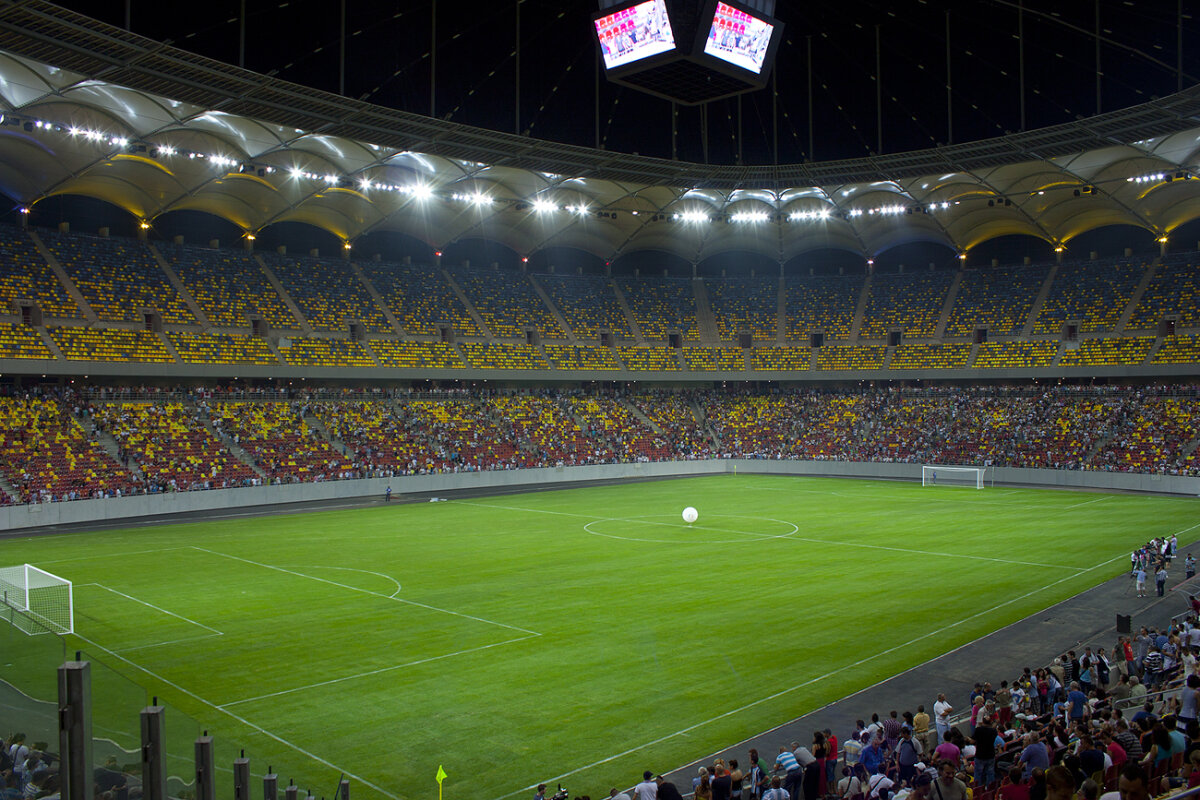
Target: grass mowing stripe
156, 608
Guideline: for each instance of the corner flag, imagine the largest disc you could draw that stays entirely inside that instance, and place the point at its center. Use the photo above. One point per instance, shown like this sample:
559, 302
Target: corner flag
441, 775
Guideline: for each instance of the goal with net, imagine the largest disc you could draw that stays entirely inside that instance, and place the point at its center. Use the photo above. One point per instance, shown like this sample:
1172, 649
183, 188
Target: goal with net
40, 602
942, 475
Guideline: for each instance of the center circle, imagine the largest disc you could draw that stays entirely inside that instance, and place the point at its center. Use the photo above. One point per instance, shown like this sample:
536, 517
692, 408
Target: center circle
711, 529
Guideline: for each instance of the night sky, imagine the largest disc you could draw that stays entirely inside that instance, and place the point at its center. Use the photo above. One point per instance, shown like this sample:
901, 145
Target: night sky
388, 48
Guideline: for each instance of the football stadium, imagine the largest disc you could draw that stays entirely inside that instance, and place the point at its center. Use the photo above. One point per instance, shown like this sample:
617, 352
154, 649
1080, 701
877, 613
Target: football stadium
648, 399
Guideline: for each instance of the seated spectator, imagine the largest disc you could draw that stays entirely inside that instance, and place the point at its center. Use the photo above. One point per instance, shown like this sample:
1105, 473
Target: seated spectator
1013, 787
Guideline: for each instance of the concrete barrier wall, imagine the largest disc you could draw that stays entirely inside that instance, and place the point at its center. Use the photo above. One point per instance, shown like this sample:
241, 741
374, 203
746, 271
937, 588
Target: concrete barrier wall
131, 508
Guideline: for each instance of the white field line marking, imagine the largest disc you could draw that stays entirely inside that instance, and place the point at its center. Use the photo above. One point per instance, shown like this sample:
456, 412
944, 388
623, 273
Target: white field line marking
1086, 503
811, 681
594, 518
379, 671
367, 591
957, 500
242, 720
98, 556
156, 608
369, 572
169, 641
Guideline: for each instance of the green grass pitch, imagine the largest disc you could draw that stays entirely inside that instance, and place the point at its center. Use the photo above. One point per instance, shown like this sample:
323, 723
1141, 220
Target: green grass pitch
575, 636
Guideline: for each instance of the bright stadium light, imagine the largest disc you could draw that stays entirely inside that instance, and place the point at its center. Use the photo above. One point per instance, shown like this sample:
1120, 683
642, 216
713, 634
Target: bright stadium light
750, 216
421, 191
693, 217
544, 206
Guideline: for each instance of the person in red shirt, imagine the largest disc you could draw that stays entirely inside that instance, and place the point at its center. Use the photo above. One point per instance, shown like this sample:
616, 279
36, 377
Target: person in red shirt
1115, 751
831, 757
1012, 788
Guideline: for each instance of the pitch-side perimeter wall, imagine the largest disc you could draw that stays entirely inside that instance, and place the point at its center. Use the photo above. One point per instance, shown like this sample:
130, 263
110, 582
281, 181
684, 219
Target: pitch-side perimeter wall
89, 511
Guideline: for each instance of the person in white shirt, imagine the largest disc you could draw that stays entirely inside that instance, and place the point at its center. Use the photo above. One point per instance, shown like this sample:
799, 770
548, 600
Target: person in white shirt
941, 717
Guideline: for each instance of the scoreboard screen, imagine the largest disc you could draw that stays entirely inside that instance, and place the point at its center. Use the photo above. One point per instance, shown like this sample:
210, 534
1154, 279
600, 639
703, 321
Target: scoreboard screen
634, 33
739, 38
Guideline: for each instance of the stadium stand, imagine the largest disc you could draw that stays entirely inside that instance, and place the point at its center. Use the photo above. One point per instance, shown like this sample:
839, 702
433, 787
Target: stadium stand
1093, 292
674, 416
25, 276
21, 341
710, 359
579, 357
1096, 352
822, 304
1178, 350
279, 440
507, 303
782, 359
749, 304
171, 446
466, 435
110, 344
1156, 438
379, 437
504, 356
650, 358
626, 435
229, 286
221, 348
1174, 289
313, 352
931, 356
328, 293
846, 357
119, 278
661, 306
910, 302
416, 355
48, 455
1015, 355
998, 299
420, 298
588, 304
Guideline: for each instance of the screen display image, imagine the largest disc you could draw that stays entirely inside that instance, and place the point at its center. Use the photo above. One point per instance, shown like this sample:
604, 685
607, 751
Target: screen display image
737, 37
635, 33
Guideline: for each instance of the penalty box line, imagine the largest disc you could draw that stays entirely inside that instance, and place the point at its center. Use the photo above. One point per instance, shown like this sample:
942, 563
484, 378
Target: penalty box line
792, 536
811, 681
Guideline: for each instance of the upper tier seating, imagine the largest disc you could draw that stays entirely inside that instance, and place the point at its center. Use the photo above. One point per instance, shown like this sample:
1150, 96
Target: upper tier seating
229, 286
569, 356
508, 303
46, 454
1174, 290
279, 440
1178, 350
996, 298
171, 445
661, 306
25, 276
420, 298
650, 358
221, 348
587, 303
1094, 292
504, 356
21, 341
1097, 352
842, 357
328, 293
910, 302
781, 358
931, 356
110, 344
1015, 355
417, 355
822, 304
747, 304
119, 278
309, 352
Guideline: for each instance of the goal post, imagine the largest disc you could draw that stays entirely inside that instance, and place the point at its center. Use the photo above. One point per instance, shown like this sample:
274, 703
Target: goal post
945, 475
41, 601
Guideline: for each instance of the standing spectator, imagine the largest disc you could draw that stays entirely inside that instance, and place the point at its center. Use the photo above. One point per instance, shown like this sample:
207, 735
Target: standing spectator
648, 789
851, 749
985, 752
941, 716
921, 729
722, 784
907, 757
1160, 578
793, 774
831, 757
1189, 566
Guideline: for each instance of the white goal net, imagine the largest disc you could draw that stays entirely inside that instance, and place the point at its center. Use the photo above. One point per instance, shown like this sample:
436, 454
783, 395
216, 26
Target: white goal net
40, 602
941, 475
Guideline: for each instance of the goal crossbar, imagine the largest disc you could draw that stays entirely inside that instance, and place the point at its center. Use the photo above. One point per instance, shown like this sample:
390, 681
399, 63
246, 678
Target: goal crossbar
950, 475
42, 602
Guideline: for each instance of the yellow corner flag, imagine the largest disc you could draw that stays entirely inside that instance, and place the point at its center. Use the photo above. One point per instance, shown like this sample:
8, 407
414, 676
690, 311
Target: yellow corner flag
441, 776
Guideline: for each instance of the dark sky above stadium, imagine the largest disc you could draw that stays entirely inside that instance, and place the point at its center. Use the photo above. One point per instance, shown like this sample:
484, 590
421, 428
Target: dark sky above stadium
388, 48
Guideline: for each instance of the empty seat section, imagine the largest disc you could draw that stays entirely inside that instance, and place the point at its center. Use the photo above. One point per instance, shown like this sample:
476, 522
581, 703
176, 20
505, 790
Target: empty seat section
229, 286
21, 341
420, 298
508, 303
822, 304
416, 355
587, 303
119, 278
745, 304
110, 344
1104, 352
788, 359
312, 352
1094, 293
931, 356
714, 359
25, 276
328, 293
569, 356
1174, 290
661, 306
1015, 355
910, 302
997, 298
650, 358
221, 348
838, 357
1178, 350
503, 356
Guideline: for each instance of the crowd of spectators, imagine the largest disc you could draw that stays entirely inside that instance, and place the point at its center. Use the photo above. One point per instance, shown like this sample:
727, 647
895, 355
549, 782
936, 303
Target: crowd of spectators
176, 439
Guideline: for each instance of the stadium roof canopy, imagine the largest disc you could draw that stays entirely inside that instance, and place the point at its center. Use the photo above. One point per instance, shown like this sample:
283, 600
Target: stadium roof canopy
97, 111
